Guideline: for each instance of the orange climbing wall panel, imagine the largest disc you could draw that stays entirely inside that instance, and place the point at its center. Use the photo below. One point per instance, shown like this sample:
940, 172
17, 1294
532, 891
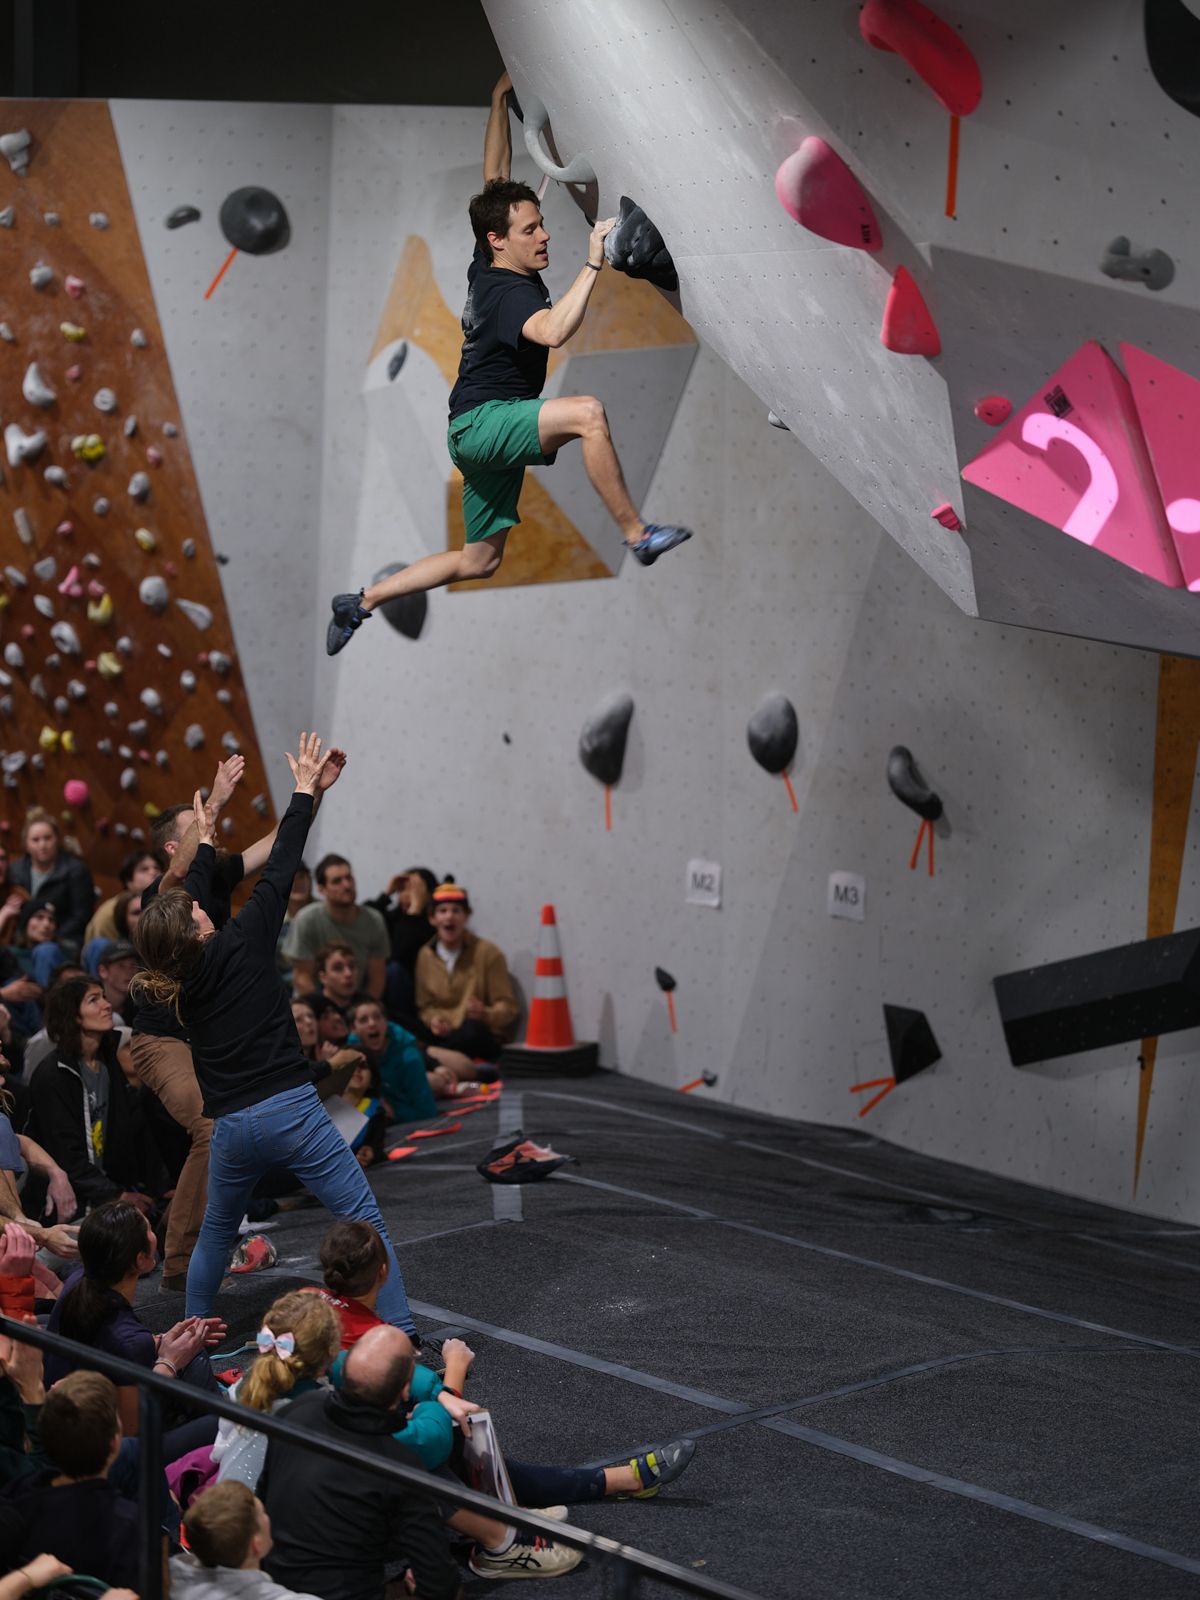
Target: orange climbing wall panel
75, 169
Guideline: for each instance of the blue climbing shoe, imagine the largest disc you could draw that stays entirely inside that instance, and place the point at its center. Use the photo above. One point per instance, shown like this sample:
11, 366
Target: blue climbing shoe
661, 1465
348, 614
657, 539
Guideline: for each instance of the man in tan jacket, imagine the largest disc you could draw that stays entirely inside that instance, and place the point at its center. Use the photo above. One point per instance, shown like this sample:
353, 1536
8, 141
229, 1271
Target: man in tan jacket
464, 993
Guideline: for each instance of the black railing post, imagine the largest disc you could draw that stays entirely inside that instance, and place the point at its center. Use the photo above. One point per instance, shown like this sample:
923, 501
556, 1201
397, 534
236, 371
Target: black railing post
150, 1496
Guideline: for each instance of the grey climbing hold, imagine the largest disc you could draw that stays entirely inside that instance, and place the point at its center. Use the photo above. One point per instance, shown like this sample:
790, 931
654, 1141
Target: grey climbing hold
635, 247
56, 476
260, 804
181, 216
406, 613
8, 218
5, 681
7, 334
121, 829
230, 743
161, 758
605, 733
37, 687
98, 219
77, 689
777, 422
14, 761
125, 645
105, 746
139, 485
773, 732
907, 784
35, 388
129, 778
219, 661
51, 218
199, 615
100, 505
193, 736
65, 637
165, 651
14, 147
153, 592
91, 559
6, 704
254, 220
53, 661
152, 701
396, 361
125, 753
104, 400
43, 605
46, 569
137, 729
138, 339
37, 761
226, 824
170, 430
40, 275
1152, 267
187, 680
20, 446
130, 427
189, 548
16, 577
112, 710
225, 697
61, 705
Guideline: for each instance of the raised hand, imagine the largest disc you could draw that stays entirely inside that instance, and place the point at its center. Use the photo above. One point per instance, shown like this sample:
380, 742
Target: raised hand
335, 761
205, 820
308, 763
229, 775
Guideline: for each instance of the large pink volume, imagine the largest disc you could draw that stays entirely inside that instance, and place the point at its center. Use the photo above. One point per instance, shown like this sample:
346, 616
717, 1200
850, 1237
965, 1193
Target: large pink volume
817, 188
1074, 456
1168, 404
930, 46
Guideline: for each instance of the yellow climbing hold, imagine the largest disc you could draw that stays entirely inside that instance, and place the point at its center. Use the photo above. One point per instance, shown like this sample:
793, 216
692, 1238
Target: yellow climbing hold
109, 665
48, 738
73, 332
4, 599
101, 610
146, 540
87, 447
68, 742
152, 810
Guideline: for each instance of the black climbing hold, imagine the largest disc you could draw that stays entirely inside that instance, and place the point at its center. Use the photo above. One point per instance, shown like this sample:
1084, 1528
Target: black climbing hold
773, 732
605, 733
222, 561
1152, 267
254, 221
407, 612
396, 360
506, 738
911, 1044
1134, 991
635, 247
181, 216
907, 784
664, 980
1173, 49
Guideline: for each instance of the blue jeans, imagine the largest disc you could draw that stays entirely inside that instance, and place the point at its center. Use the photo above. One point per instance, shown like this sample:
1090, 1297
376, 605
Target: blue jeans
290, 1130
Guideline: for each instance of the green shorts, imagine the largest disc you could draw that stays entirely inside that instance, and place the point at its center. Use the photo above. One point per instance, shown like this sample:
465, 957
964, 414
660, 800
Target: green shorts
491, 445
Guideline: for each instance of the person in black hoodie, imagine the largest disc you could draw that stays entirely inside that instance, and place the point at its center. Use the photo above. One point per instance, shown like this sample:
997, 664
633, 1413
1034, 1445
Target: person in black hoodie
256, 1081
49, 871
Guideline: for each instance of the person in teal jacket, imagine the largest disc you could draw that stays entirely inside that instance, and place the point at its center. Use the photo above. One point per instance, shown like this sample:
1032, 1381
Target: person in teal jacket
397, 1058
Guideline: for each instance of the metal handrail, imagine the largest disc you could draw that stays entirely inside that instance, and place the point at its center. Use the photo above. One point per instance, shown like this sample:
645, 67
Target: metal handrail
626, 1563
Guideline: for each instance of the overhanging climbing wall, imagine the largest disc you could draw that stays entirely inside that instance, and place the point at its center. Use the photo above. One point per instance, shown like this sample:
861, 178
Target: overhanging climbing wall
121, 669
1074, 145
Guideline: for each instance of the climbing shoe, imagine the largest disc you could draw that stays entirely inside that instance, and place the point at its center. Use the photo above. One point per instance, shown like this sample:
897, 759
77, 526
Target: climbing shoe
349, 614
661, 1465
656, 541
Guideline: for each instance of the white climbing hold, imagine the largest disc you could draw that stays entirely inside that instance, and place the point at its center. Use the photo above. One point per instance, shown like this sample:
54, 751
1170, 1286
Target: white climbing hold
23, 525
145, 540
8, 217
121, 829
219, 661
260, 804
61, 705
153, 592
51, 219
65, 638
100, 505
14, 656
37, 686
129, 778
138, 339
112, 710
193, 736
53, 661
91, 559
77, 689
170, 430
189, 548
125, 645
35, 388
45, 569
152, 701
16, 577
226, 824
137, 834
125, 752
20, 446
165, 651
137, 730
139, 485
98, 219
7, 334
229, 742
43, 605
105, 746
40, 275
14, 147
161, 758
187, 680
5, 681
56, 476
104, 400
224, 696
14, 761
196, 613
130, 427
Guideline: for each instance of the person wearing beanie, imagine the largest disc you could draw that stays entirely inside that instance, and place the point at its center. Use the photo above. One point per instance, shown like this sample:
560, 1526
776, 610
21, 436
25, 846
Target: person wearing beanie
465, 997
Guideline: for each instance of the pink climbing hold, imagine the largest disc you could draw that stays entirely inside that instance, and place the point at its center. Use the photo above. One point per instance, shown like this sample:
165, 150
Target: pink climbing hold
69, 582
908, 327
28, 631
994, 409
73, 285
931, 47
76, 793
65, 530
1168, 408
817, 189
947, 516
74, 374
154, 457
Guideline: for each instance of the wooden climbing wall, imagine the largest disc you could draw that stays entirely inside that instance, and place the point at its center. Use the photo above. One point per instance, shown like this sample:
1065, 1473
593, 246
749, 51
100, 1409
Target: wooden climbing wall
75, 172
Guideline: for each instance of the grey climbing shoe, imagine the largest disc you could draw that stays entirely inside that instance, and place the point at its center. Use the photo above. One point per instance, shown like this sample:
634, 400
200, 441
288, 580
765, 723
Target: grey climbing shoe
657, 540
348, 614
661, 1465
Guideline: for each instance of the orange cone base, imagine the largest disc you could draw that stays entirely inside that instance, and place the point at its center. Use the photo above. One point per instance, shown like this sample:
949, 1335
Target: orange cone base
525, 1061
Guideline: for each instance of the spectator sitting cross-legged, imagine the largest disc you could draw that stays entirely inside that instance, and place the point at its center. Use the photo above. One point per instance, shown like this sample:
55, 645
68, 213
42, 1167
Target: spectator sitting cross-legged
406, 1082
82, 1109
465, 998
138, 871
19, 1155
49, 871
337, 919
229, 1535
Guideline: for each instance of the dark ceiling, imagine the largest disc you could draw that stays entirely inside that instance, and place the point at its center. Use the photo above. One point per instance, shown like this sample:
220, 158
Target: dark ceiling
373, 52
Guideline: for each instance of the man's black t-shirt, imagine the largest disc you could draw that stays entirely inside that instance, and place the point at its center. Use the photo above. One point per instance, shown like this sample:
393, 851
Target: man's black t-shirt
227, 874
497, 362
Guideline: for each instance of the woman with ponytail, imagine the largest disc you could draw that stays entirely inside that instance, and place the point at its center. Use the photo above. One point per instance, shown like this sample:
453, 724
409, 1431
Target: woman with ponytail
256, 1081
297, 1344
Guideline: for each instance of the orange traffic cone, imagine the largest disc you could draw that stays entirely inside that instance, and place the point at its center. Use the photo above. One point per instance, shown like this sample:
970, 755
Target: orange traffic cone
550, 1045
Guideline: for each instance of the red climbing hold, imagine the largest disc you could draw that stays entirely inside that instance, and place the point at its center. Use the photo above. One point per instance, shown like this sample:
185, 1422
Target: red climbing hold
947, 516
994, 409
908, 327
817, 188
931, 47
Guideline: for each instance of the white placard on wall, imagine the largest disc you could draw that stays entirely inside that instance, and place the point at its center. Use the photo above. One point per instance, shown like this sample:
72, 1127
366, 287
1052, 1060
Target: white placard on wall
703, 883
847, 895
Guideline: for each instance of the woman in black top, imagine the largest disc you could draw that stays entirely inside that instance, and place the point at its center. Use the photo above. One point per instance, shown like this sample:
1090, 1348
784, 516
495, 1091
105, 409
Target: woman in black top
48, 871
255, 1079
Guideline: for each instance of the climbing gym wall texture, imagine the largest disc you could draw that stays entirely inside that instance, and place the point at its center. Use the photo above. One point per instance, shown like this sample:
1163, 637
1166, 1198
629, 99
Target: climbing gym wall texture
1041, 750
